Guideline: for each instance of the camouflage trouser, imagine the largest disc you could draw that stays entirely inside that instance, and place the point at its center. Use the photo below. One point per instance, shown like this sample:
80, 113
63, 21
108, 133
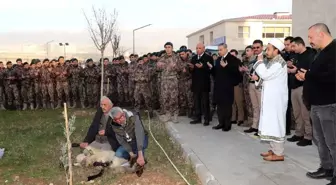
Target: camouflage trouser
159, 92
62, 87
27, 93
185, 95
131, 94
123, 92
107, 89
142, 91
37, 92
12, 89
48, 90
155, 93
92, 93
169, 91
2, 94
77, 91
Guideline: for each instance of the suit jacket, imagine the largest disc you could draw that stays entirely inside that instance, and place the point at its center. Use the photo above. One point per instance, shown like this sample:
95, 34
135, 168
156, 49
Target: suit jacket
201, 76
94, 129
225, 79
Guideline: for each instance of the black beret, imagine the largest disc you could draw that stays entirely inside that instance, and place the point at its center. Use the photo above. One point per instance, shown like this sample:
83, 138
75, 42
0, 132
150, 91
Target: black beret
183, 47
19, 60
189, 50
53, 60
37, 61
9, 62
144, 56
168, 44
45, 60
89, 60
26, 63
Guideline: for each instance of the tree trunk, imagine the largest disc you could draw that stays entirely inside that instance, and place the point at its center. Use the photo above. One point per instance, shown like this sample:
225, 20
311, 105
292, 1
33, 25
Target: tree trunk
102, 75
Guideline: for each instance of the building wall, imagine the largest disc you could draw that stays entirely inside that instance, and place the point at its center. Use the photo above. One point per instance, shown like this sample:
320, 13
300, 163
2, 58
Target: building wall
230, 31
309, 12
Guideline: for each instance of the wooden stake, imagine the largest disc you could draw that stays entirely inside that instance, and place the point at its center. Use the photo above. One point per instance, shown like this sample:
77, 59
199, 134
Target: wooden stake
68, 143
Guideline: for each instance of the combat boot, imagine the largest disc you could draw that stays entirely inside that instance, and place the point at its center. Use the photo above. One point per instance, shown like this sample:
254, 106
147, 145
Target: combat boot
190, 113
37, 106
58, 105
2, 107
52, 105
31, 106
44, 105
18, 107
24, 106
83, 105
69, 105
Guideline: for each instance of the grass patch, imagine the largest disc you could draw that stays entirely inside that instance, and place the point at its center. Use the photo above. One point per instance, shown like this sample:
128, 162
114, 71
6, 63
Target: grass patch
32, 149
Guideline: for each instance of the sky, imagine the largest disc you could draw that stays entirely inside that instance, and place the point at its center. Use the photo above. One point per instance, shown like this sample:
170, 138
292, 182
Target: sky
31, 21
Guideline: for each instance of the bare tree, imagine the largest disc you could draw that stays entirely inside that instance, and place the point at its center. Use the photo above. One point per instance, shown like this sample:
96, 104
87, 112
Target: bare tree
115, 42
101, 32
122, 51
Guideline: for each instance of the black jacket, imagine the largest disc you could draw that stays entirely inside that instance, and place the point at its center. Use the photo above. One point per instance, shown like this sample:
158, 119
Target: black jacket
320, 81
94, 129
201, 76
225, 79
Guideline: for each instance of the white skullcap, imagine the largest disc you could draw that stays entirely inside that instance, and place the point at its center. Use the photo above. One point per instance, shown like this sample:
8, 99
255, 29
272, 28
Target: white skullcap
277, 43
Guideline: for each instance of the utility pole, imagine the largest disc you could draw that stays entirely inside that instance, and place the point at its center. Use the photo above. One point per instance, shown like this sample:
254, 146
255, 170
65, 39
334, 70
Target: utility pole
134, 35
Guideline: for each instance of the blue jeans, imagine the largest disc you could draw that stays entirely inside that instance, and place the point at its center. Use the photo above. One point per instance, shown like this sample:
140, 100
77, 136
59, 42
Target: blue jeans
122, 152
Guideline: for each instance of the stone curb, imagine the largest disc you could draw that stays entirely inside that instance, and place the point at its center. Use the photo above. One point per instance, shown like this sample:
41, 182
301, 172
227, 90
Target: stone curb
201, 170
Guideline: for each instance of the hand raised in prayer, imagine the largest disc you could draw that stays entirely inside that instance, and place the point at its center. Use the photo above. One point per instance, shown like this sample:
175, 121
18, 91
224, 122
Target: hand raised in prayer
209, 65
184, 70
289, 63
84, 145
199, 65
260, 57
292, 70
191, 65
243, 69
223, 63
101, 132
254, 77
302, 74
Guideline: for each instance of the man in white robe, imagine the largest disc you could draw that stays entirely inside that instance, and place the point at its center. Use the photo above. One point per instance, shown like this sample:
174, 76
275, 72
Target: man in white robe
274, 98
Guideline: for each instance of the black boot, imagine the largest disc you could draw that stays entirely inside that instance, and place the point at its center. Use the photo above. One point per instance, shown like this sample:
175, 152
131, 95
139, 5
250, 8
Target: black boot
321, 173
217, 127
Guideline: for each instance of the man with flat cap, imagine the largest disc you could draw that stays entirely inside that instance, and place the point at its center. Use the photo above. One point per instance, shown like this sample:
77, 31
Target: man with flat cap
274, 99
170, 65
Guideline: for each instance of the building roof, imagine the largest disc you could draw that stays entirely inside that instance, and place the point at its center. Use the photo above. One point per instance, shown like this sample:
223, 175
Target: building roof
261, 17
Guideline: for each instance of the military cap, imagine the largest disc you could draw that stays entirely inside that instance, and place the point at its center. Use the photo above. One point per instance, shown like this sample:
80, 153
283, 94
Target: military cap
37, 61
45, 60
144, 56
89, 60
121, 57
9, 62
168, 44
26, 63
60, 57
19, 60
53, 60
183, 47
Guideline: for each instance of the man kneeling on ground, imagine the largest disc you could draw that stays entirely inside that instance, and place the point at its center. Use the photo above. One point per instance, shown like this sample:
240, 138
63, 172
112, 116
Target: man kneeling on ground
100, 135
131, 135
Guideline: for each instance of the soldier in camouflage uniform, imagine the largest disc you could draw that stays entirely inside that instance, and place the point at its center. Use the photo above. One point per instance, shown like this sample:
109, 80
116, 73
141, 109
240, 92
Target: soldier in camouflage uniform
36, 67
47, 84
142, 91
2, 90
11, 85
27, 87
107, 90
185, 94
62, 84
122, 80
76, 83
154, 81
91, 80
131, 85
170, 64
114, 84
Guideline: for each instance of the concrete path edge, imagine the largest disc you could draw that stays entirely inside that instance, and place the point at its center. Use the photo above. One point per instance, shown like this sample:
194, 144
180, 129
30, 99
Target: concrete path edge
201, 170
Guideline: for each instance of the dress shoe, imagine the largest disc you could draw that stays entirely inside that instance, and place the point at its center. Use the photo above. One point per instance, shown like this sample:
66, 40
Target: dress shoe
333, 181
288, 133
217, 127
250, 130
266, 154
195, 121
295, 138
256, 134
304, 142
274, 158
240, 123
206, 123
225, 129
320, 174
233, 122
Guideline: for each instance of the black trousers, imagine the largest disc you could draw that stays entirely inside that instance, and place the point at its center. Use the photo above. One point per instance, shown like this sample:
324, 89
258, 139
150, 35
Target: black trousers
289, 112
224, 113
202, 105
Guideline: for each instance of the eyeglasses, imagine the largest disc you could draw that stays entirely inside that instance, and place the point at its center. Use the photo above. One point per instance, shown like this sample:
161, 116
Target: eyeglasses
119, 118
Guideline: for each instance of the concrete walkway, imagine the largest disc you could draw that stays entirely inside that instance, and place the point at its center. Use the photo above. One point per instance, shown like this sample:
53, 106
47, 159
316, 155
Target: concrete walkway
232, 158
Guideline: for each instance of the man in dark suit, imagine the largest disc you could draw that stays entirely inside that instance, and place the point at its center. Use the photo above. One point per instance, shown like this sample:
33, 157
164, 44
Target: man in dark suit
200, 87
226, 75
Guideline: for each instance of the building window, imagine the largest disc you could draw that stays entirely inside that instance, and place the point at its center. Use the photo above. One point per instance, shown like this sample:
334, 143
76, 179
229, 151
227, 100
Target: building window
201, 39
243, 32
211, 37
275, 32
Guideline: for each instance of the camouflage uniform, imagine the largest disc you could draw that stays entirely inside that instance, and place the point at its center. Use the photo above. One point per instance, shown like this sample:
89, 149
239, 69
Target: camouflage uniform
131, 85
185, 95
142, 73
114, 84
154, 85
122, 80
76, 85
62, 84
36, 72
169, 85
27, 88
47, 86
92, 88
11, 86
107, 90
2, 90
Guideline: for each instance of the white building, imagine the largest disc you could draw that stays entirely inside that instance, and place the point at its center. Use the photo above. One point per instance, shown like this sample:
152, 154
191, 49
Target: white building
309, 12
241, 32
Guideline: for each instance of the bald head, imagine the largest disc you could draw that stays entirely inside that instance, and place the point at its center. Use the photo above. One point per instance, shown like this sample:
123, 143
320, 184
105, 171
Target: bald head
319, 36
200, 48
